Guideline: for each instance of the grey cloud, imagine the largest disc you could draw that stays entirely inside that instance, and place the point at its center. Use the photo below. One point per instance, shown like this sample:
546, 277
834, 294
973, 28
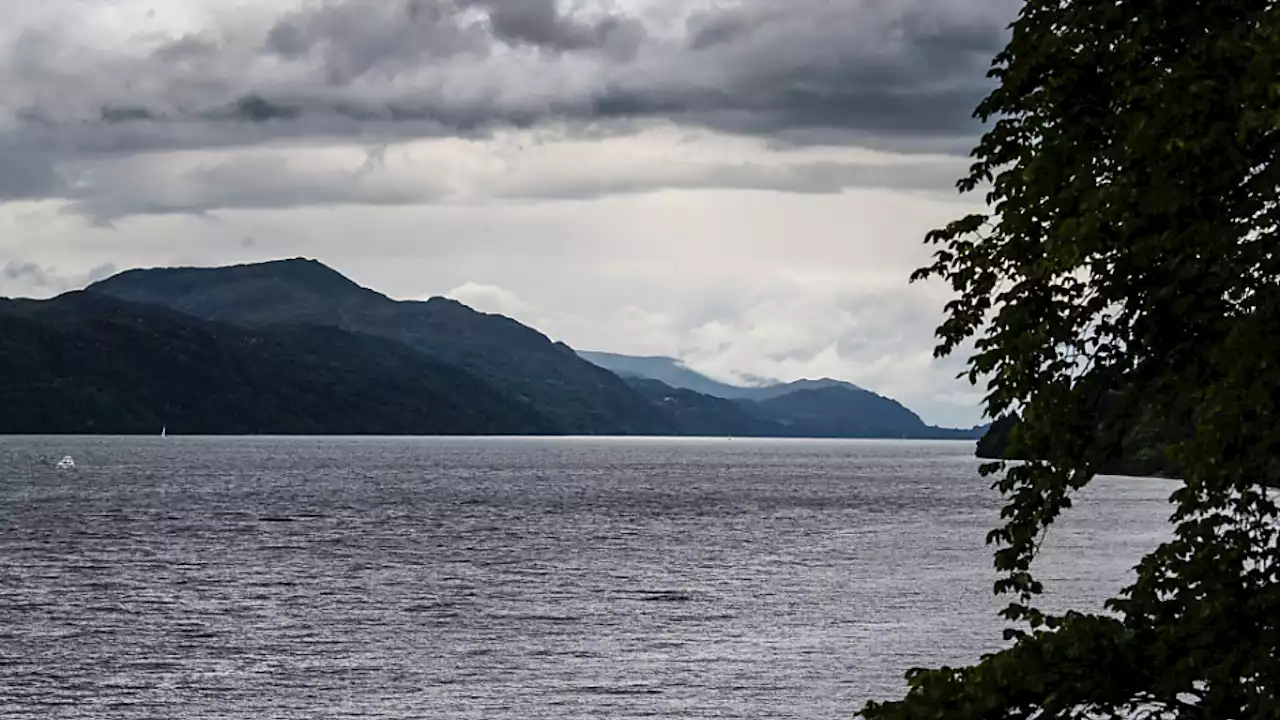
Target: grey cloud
543, 24
190, 47
288, 40
238, 183
27, 173
273, 182
879, 340
102, 272
112, 115
352, 40
46, 280
807, 177
891, 70
27, 271
255, 109
802, 355
902, 75
708, 30
349, 40
876, 65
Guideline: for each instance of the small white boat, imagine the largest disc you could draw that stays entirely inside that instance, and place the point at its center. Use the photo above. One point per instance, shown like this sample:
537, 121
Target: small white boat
164, 431
66, 463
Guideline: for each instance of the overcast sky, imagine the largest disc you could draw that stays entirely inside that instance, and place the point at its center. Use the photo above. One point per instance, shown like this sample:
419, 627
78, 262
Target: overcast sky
742, 184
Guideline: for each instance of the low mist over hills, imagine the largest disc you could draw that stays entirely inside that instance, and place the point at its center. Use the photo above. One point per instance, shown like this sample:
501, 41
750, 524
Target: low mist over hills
675, 373
294, 347
804, 408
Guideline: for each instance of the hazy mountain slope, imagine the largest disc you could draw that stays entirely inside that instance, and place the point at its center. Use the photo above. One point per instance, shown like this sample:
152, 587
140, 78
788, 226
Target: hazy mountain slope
823, 412
806, 408
705, 415
85, 363
769, 392
574, 395
669, 371
841, 412
675, 373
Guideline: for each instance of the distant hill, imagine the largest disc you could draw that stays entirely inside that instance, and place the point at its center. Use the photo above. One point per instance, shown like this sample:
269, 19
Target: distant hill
573, 395
804, 408
699, 414
293, 347
669, 371
769, 392
838, 411
675, 373
823, 412
86, 363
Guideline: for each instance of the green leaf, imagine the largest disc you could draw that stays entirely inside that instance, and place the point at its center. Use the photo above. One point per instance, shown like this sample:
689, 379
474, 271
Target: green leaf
1124, 299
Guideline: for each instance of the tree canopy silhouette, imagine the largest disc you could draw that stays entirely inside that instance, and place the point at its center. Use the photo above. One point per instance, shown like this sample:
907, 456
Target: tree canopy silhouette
1130, 254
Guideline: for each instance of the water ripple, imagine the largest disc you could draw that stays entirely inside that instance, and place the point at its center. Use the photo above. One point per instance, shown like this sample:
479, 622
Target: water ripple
196, 578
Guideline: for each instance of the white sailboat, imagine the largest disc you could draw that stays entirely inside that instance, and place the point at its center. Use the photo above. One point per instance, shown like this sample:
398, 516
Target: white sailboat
164, 431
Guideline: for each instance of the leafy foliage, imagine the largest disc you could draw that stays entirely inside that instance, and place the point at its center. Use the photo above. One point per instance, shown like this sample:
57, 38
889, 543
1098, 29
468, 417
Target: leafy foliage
1130, 256
1143, 453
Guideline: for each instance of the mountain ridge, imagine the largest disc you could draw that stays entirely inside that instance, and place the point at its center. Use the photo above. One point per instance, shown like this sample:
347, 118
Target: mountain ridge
86, 363
251, 325
825, 412
578, 397
676, 373
824, 407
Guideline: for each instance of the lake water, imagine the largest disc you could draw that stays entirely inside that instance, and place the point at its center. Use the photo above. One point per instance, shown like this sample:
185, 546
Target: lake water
519, 578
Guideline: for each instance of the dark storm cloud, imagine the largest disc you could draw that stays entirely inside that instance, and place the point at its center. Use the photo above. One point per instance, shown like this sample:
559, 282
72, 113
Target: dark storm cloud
543, 24
346, 41
352, 39
901, 75
28, 174
894, 72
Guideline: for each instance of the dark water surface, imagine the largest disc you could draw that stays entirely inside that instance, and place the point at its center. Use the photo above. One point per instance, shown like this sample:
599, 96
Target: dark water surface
458, 578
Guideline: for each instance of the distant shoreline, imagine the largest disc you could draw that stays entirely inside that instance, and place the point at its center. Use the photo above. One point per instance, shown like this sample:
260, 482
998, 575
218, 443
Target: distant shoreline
177, 436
